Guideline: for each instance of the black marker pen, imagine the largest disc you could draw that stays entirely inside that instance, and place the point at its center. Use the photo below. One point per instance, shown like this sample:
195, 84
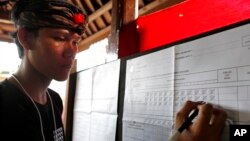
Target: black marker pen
185, 125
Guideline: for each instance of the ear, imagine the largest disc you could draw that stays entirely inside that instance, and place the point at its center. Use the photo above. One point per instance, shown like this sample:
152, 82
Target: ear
22, 36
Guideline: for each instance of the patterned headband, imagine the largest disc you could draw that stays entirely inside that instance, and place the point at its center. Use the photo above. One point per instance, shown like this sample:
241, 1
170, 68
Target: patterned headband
36, 14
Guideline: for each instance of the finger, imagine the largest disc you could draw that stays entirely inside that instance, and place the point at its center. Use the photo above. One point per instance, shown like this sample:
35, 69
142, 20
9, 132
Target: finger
204, 116
184, 112
218, 120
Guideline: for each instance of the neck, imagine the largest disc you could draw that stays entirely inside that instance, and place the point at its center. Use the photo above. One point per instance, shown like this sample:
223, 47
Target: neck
33, 82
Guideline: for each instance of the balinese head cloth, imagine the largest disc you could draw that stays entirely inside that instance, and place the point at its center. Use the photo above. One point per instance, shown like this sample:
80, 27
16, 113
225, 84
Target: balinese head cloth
35, 14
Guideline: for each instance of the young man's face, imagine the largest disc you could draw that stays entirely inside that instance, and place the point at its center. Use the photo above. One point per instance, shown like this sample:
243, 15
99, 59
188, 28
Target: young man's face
53, 52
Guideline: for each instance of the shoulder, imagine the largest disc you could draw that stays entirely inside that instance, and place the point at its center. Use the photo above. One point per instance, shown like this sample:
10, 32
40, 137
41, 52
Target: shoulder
12, 98
5, 85
8, 90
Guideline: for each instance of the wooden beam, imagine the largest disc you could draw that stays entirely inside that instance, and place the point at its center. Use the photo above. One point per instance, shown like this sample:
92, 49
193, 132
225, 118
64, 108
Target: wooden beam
6, 21
141, 3
2, 78
100, 11
88, 32
90, 6
7, 27
6, 38
79, 4
106, 15
100, 23
84, 44
89, 40
93, 27
156, 5
98, 20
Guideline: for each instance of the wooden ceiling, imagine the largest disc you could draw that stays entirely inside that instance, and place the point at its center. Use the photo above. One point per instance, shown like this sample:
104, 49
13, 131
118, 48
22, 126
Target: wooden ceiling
99, 12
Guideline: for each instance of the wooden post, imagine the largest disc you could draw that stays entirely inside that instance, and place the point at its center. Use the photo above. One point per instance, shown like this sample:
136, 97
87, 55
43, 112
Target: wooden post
123, 12
68, 111
130, 12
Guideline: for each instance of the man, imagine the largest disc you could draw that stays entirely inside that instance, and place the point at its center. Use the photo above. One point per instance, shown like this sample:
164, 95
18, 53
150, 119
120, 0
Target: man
48, 33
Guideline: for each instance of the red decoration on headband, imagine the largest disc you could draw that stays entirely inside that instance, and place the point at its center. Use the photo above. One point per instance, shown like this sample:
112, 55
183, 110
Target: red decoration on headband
79, 18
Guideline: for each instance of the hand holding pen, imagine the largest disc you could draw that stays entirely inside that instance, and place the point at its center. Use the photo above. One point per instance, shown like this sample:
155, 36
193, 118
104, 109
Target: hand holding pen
208, 125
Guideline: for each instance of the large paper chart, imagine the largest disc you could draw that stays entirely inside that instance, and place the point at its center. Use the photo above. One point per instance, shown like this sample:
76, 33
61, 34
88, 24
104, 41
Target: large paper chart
214, 69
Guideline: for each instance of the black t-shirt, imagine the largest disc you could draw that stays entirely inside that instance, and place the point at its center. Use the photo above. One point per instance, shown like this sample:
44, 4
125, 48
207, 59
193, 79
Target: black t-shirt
19, 118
